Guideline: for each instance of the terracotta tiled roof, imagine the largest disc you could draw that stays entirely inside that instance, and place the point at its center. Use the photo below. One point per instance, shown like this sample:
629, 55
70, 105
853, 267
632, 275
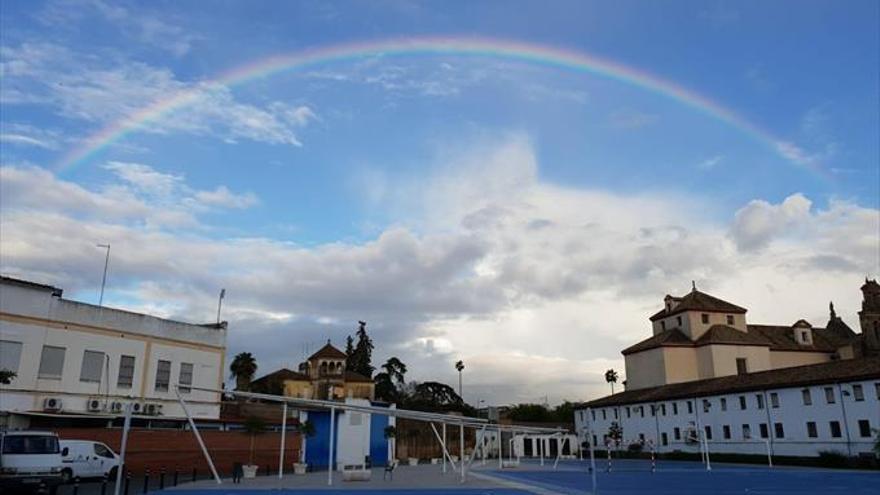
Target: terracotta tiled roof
351, 376
699, 301
667, 338
798, 376
281, 375
723, 334
328, 352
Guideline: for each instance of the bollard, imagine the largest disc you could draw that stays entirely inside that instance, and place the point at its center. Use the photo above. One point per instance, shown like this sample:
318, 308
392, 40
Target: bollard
104, 485
653, 462
76, 486
127, 482
176, 473
608, 449
162, 479
194, 473
146, 480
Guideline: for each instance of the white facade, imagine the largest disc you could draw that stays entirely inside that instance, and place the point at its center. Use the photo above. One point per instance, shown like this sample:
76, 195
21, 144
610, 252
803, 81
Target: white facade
93, 360
790, 421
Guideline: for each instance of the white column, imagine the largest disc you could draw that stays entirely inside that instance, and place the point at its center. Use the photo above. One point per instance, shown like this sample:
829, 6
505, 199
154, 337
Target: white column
500, 450
332, 441
461, 450
443, 443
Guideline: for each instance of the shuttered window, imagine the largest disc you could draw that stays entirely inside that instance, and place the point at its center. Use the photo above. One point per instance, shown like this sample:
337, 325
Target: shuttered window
186, 377
51, 362
163, 375
92, 364
126, 372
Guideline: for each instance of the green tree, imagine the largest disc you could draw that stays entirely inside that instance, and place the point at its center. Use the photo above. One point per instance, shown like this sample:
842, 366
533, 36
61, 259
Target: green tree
611, 377
242, 369
437, 397
6, 376
361, 357
349, 348
534, 413
390, 382
564, 413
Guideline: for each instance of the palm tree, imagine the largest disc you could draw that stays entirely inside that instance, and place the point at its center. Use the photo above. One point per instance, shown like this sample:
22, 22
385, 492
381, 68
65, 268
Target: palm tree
243, 368
459, 366
611, 378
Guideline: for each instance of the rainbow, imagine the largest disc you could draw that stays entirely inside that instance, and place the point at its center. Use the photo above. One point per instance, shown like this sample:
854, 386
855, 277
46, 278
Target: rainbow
476, 47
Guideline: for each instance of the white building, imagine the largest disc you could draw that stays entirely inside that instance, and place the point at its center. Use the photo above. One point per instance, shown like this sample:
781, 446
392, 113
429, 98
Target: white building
795, 411
77, 360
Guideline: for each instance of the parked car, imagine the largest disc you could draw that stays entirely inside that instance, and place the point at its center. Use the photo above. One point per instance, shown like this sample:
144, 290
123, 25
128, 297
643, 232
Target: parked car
29, 460
87, 459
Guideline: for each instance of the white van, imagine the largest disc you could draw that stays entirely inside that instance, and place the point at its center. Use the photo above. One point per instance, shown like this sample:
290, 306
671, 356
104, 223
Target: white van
29, 460
87, 459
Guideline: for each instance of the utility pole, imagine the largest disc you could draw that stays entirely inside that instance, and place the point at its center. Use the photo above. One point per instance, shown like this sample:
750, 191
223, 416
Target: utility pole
104, 278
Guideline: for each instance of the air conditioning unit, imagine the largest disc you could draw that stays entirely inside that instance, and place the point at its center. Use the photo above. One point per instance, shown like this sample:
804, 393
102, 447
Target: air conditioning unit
95, 405
137, 408
152, 409
52, 404
116, 407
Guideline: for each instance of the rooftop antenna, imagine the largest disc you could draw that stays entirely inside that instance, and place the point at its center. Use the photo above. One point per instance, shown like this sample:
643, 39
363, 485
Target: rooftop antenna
694, 285
104, 277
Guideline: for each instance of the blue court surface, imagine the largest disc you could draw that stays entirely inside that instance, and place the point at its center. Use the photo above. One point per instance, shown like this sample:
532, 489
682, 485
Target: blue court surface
673, 478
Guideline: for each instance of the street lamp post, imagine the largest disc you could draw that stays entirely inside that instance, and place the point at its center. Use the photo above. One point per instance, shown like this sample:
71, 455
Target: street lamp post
459, 366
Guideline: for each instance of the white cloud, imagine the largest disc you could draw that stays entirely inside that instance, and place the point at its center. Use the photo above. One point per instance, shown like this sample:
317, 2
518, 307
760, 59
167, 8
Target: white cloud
133, 22
711, 162
536, 286
101, 91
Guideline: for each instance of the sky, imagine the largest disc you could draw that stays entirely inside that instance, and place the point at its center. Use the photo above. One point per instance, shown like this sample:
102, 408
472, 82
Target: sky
516, 184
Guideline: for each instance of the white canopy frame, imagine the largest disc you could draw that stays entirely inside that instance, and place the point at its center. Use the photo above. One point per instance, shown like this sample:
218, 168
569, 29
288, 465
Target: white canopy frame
462, 422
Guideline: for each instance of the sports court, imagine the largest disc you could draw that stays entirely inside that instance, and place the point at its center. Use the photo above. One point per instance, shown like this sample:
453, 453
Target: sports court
571, 477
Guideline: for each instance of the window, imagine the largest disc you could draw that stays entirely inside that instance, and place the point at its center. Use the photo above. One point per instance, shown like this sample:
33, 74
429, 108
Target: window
51, 362
676, 433
774, 400
742, 366
877, 390
102, 450
675, 408
678, 320
91, 371
30, 444
628, 412
778, 430
664, 439
765, 431
730, 319
747, 432
742, 402
10, 355
642, 411
723, 404
615, 413
690, 407
858, 393
593, 413
759, 399
829, 395
808, 399
663, 325
653, 409
642, 438
126, 372
705, 318
726, 431
812, 432
663, 409
186, 377
604, 415
835, 428
864, 428
163, 375
708, 432
706, 405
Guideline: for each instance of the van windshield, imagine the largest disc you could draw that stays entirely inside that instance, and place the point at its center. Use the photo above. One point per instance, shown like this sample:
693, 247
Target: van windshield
30, 444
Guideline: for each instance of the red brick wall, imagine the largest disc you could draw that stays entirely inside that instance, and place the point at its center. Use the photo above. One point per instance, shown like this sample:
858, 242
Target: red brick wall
155, 449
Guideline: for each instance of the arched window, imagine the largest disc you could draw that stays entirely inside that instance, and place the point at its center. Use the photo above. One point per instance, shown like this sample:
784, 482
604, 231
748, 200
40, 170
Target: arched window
324, 368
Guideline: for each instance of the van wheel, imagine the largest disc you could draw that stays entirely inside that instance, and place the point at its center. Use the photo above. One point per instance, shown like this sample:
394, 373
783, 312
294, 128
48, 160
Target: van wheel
66, 475
111, 475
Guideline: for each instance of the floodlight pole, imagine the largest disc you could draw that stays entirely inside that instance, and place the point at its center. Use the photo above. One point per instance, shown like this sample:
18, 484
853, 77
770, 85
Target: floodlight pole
195, 430
330, 455
283, 438
126, 426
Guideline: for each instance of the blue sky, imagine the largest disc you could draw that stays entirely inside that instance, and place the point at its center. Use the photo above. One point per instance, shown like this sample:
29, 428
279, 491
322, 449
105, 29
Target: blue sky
485, 194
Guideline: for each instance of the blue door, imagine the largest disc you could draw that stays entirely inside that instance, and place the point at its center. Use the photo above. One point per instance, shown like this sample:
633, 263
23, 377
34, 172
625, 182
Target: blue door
318, 446
378, 443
